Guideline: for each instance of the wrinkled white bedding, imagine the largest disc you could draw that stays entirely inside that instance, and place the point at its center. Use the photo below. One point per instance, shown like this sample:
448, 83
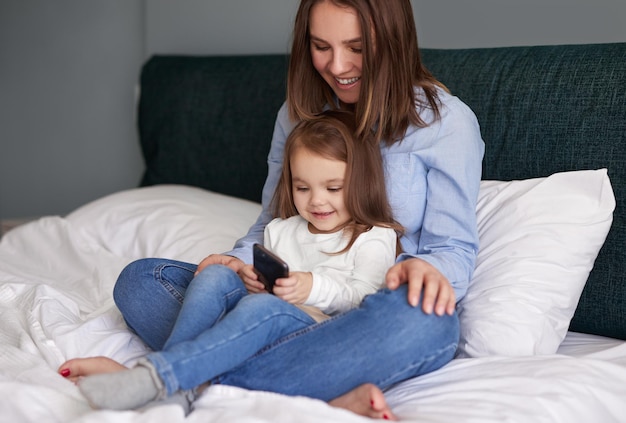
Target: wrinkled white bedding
56, 278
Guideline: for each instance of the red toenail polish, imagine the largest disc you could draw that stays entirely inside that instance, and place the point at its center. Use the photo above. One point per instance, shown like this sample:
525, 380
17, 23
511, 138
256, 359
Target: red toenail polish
372, 403
386, 417
65, 372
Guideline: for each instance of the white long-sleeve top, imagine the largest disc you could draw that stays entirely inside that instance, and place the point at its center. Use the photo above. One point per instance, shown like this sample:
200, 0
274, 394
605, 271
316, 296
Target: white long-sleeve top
340, 282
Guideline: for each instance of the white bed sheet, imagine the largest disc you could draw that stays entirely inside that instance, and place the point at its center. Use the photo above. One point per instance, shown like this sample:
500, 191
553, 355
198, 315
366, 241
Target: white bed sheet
56, 277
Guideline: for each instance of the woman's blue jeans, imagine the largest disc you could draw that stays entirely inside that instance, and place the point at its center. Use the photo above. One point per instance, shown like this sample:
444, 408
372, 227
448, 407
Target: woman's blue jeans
383, 341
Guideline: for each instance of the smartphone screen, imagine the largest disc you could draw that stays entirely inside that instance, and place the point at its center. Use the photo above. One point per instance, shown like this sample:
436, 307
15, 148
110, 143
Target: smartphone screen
268, 266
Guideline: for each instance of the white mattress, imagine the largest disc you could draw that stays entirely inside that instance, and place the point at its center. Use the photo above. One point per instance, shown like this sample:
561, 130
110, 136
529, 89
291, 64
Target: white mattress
56, 278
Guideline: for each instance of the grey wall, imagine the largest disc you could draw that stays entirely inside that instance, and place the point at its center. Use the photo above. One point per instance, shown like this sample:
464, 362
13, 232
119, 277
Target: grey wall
67, 74
495, 23
219, 26
247, 26
68, 70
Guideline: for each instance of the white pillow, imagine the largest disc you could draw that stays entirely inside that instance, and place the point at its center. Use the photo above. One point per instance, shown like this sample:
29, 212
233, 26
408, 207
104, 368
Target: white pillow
539, 239
170, 221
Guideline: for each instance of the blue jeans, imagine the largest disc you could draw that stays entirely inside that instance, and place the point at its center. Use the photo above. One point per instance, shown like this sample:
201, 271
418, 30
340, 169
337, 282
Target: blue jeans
219, 326
383, 341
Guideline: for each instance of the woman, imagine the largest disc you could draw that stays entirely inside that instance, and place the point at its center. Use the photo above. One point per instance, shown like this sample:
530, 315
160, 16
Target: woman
360, 55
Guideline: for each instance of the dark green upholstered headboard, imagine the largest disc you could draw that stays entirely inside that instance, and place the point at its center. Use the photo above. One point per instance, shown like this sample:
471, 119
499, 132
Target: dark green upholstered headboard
549, 109
208, 121
542, 109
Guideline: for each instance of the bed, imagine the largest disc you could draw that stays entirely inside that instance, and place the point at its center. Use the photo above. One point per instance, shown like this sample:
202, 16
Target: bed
543, 324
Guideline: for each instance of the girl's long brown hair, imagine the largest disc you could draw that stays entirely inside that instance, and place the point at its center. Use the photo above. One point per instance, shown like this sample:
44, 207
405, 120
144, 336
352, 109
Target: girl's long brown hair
391, 70
331, 135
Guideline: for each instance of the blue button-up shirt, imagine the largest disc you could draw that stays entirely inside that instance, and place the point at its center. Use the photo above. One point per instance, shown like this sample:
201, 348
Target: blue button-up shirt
432, 178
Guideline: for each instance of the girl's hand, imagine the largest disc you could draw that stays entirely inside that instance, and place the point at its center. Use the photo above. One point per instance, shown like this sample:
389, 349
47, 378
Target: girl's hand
296, 288
251, 280
230, 261
421, 276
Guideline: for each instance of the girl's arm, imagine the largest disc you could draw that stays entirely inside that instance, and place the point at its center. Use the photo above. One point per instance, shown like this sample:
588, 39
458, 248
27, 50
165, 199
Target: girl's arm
372, 255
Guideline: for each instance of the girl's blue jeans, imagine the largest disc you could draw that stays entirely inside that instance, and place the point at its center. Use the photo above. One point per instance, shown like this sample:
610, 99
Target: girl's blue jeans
383, 341
219, 326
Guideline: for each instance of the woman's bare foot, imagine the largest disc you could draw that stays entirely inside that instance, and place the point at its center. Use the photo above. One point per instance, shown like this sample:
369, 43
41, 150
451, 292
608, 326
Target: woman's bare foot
75, 368
365, 400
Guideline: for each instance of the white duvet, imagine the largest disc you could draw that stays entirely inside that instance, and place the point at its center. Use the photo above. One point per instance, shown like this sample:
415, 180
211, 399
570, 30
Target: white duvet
56, 279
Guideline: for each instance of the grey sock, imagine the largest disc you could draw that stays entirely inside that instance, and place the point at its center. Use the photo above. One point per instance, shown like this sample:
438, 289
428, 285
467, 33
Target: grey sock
183, 398
125, 390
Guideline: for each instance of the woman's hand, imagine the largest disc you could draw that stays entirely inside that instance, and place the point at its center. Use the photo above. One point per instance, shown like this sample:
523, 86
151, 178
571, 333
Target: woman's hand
230, 261
296, 288
422, 276
251, 280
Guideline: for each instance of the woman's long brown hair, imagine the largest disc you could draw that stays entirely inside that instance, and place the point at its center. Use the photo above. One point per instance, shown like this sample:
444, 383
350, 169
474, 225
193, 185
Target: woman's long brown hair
391, 70
331, 135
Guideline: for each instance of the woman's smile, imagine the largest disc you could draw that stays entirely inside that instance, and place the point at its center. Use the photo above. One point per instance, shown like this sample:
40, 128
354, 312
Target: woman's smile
336, 49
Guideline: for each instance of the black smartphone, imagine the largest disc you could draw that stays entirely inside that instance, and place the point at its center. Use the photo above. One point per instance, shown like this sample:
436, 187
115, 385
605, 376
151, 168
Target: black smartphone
268, 266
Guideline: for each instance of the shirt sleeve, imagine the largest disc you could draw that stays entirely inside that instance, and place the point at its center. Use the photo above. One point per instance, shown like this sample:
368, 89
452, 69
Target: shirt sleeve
243, 247
371, 256
448, 237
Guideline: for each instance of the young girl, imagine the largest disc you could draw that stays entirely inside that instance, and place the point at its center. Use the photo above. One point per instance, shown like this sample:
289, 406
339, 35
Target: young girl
360, 55
334, 228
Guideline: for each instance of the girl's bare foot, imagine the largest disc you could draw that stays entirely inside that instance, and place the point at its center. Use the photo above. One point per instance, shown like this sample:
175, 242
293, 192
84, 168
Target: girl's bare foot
77, 367
365, 400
